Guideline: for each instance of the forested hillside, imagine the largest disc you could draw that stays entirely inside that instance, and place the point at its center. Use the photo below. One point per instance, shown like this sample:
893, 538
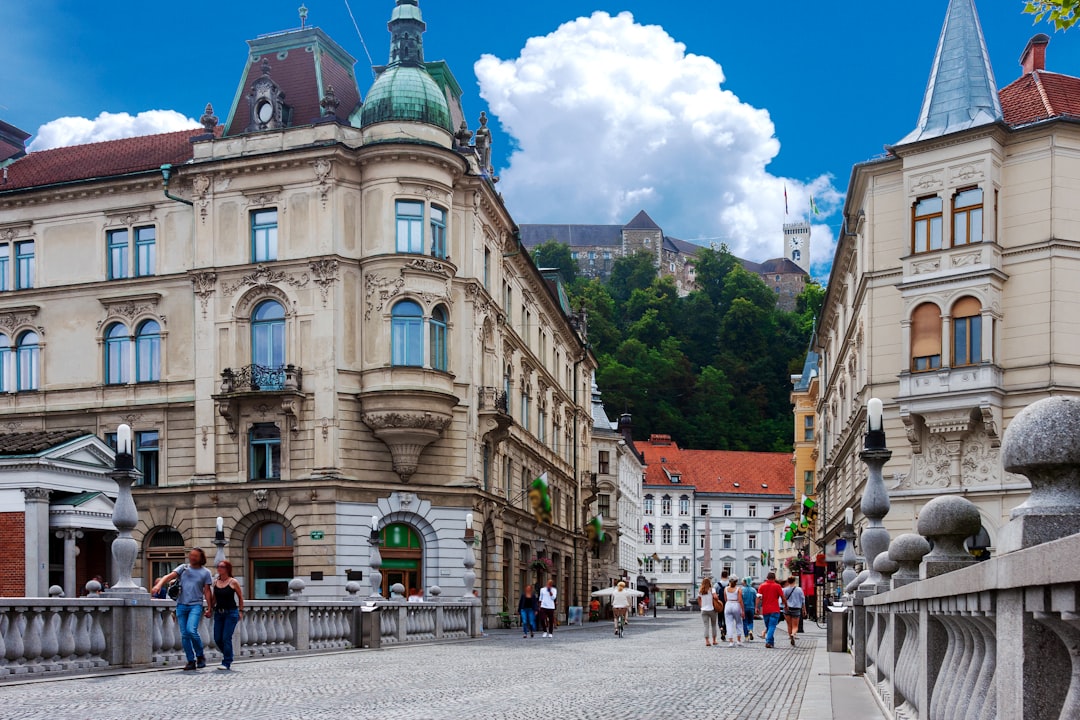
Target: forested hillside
711, 369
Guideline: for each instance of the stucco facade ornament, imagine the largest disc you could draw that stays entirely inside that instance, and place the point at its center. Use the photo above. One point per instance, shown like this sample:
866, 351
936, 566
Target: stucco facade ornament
128, 309
9, 232
981, 464
922, 267
323, 169
262, 497
203, 284
430, 265
263, 276
200, 188
325, 274
927, 182
930, 468
262, 196
17, 318
379, 290
966, 259
966, 173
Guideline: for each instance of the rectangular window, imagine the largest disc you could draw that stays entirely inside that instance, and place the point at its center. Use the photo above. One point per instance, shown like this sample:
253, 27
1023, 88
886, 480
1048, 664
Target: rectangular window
145, 251
775, 509
968, 216
265, 452
438, 232
701, 540
604, 465
751, 510
808, 482
751, 569
117, 241
541, 425
727, 509
603, 504
649, 566
808, 428
927, 225
410, 226
24, 265
524, 410
726, 541
665, 505
647, 505
684, 565
146, 456
751, 541
487, 269
967, 340
727, 568
684, 505
264, 236
704, 509
665, 565
665, 535
684, 534
5, 267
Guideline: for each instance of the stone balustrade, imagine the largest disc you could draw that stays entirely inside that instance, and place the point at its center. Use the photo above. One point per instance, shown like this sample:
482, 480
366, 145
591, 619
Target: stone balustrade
40, 636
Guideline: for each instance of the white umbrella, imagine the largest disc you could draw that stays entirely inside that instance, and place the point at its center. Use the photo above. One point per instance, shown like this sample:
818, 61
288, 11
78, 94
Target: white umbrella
612, 590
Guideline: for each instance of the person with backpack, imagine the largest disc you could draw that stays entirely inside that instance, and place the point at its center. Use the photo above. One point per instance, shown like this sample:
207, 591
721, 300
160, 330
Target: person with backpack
195, 581
794, 607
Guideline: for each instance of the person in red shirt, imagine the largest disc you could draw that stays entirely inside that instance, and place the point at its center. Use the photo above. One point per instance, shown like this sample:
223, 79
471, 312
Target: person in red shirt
770, 603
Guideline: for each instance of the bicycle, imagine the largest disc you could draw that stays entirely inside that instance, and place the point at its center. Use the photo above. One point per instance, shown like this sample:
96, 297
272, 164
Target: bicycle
620, 624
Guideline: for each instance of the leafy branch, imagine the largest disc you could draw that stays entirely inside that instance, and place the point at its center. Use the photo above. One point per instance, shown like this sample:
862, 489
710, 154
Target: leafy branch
1062, 14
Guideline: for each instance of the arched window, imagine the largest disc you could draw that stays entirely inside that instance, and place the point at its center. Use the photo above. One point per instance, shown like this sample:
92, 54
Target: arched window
164, 551
270, 558
268, 345
407, 336
403, 554
148, 352
117, 355
27, 361
926, 338
437, 333
966, 332
438, 232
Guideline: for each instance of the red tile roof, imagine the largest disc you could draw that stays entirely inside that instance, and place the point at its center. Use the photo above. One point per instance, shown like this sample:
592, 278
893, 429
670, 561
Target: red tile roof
1040, 95
716, 471
101, 159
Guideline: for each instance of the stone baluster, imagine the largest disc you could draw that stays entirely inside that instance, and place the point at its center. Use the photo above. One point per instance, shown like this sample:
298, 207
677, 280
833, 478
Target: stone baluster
50, 638
886, 566
947, 521
907, 551
66, 648
16, 630
32, 639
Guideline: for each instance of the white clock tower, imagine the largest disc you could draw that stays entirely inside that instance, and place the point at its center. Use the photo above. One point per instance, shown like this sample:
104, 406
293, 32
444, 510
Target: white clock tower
797, 244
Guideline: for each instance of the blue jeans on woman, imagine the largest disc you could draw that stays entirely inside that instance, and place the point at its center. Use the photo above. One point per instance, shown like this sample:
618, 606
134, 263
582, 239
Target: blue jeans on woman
187, 617
528, 621
225, 622
748, 620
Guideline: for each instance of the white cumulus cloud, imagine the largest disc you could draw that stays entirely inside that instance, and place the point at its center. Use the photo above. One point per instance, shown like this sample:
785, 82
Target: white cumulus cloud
610, 117
107, 126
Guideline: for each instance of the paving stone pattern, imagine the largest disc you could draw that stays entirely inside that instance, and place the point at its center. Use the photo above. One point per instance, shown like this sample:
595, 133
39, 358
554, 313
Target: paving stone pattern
660, 669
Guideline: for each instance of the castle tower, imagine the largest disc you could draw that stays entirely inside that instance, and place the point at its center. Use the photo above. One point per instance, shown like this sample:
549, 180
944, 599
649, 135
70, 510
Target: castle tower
797, 244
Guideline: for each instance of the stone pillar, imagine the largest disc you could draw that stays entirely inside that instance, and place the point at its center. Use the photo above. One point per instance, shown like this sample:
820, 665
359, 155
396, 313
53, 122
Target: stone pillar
36, 541
946, 341
875, 506
947, 520
69, 535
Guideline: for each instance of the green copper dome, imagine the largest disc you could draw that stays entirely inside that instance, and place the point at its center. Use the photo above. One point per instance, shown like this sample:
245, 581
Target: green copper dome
406, 93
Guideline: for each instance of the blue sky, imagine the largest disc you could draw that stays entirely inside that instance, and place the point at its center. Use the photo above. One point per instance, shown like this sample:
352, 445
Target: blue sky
835, 82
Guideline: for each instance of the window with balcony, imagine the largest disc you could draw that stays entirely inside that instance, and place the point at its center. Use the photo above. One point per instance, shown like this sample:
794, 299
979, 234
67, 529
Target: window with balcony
264, 235
604, 462
647, 505
926, 338
265, 460
967, 332
406, 334
665, 505
438, 232
410, 226
927, 229
967, 212
437, 332
268, 343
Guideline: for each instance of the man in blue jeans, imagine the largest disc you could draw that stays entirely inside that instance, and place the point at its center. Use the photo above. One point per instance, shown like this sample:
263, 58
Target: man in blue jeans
770, 601
195, 581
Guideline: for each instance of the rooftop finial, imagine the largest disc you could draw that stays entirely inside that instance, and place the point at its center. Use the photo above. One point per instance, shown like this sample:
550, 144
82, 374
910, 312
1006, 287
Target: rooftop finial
209, 120
303, 15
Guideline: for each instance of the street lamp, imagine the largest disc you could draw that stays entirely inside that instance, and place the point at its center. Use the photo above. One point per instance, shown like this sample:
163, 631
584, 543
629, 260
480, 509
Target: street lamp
125, 515
219, 540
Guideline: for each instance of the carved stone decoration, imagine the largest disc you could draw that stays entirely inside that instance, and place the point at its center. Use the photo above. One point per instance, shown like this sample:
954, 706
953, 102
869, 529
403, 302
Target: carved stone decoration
290, 407
200, 187
966, 259
407, 423
966, 173
263, 196
922, 267
379, 291
323, 168
16, 318
209, 120
203, 284
10, 231
430, 265
930, 468
329, 103
325, 273
131, 418
263, 276
986, 414
127, 309
205, 436
227, 410
262, 497
927, 182
266, 102
981, 464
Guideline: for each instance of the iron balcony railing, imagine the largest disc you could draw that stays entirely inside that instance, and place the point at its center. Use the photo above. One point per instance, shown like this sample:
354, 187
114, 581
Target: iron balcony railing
261, 378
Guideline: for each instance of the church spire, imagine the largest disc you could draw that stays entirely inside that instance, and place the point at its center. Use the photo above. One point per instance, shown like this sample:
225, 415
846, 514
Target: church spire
961, 93
407, 28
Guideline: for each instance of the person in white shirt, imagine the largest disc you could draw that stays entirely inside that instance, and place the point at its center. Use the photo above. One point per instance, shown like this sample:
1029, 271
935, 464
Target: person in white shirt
620, 604
710, 603
548, 595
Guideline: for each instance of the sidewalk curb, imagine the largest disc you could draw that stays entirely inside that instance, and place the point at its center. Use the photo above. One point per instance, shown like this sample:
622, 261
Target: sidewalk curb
817, 696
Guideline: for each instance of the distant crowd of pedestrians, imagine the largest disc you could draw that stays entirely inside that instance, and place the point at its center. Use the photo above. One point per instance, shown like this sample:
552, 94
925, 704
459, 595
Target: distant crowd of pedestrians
738, 606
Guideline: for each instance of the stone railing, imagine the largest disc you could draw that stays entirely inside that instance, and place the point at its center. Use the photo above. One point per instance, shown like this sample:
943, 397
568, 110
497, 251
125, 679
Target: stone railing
58, 636
941, 636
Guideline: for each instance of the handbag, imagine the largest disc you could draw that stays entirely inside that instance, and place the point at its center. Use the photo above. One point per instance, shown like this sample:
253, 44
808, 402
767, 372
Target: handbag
173, 591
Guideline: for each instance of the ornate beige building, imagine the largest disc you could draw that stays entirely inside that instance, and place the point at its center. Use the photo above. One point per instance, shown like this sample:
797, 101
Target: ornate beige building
329, 318
953, 287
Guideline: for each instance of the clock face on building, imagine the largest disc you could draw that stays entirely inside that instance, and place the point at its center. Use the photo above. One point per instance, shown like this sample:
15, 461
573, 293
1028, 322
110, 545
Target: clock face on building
796, 243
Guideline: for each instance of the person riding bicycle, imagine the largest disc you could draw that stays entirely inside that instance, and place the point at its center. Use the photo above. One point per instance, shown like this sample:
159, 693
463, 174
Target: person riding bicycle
620, 604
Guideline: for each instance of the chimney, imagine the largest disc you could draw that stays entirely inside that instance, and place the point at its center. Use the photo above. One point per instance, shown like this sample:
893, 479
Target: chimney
626, 427
1034, 56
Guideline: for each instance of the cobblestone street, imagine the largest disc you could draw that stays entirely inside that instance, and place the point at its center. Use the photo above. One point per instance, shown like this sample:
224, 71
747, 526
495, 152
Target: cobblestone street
660, 669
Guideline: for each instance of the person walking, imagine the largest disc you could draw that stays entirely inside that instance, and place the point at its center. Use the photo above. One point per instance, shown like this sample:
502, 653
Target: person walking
770, 599
709, 603
620, 605
548, 596
195, 582
527, 607
721, 586
228, 610
749, 603
794, 607
733, 612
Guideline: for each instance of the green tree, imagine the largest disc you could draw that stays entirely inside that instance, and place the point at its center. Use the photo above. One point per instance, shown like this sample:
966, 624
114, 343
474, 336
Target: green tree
711, 268
1062, 14
630, 273
808, 306
552, 254
593, 297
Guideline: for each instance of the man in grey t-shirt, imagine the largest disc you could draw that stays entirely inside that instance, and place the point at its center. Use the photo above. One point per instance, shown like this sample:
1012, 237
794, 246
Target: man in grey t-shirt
195, 581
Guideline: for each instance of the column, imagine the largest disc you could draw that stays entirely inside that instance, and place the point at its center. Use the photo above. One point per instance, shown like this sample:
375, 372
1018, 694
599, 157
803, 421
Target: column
69, 535
36, 540
987, 337
946, 341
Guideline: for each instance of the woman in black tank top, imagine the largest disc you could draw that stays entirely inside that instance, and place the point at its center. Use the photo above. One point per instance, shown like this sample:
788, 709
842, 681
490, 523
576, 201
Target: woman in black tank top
228, 610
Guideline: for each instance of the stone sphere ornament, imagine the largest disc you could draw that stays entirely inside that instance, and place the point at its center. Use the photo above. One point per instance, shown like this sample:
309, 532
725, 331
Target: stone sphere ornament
948, 520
